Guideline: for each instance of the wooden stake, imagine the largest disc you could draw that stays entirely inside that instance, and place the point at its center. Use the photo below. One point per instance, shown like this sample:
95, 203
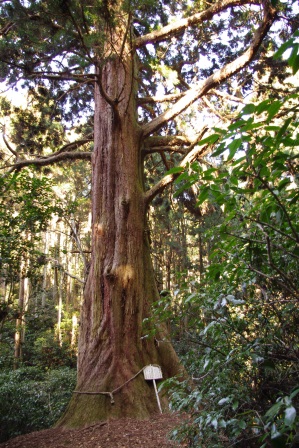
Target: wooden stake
157, 395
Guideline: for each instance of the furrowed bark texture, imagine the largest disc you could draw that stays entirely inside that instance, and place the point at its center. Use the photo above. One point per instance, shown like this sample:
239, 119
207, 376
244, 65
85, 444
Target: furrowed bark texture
121, 286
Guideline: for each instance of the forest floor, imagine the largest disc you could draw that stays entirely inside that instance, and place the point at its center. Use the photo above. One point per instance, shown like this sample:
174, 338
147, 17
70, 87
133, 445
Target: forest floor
123, 433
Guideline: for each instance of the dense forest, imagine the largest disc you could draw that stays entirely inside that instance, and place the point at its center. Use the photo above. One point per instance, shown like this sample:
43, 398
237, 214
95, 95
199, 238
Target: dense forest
149, 215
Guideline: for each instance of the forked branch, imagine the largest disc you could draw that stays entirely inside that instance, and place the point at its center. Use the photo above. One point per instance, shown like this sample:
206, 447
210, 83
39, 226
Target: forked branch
218, 77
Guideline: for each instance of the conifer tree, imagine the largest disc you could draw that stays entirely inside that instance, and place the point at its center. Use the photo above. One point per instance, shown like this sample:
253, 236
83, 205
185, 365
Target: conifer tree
134, 70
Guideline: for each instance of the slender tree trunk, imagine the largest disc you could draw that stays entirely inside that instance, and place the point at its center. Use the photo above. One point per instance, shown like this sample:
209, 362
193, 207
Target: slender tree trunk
121, 287
2, 289
45, 269
74, 330
200, 250
20, 321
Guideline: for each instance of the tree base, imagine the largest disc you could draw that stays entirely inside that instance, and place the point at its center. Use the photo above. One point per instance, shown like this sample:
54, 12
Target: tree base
136, 399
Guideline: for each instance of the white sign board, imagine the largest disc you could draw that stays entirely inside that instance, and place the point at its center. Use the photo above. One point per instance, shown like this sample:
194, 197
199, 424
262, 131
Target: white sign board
152, 372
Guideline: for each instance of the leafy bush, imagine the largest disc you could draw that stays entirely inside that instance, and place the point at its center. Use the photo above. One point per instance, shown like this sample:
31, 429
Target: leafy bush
31, 399
241, 323
244, 371
47, 352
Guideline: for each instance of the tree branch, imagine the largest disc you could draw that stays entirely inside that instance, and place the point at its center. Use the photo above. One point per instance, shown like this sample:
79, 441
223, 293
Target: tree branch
7, 144
218, 77
194, 153
274, 279
77, 239
160, 99
5, 30
265, 224
225, 117
281, 205
177, 28
60, 266
167, 140
160, 149
57, 157
65, 76
171, 143
74, 145
227, 96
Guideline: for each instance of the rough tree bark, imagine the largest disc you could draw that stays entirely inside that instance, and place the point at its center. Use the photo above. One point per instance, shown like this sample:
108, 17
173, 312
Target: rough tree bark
121, 286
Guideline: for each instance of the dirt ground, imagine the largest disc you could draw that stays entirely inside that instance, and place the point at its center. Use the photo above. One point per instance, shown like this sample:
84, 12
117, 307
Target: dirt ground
123, 433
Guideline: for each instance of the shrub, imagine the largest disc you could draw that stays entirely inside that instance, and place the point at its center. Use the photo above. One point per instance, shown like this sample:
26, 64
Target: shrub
32, 399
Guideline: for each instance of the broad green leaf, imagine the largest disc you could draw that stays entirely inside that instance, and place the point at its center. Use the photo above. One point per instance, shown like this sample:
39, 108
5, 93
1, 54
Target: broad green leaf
262, 107
209, 174
284, 47
235, 405
290, 415
248, 109
234, 301
293, 56
204, 194
294, 393
223, 401
283, 183
284, 128
211, 139
234, 180
222, 423
183, 176
274, 410
290, 142
233, 147
214, 423
190, 298
272, 128
273, 109
238, 124
220, 150
183, 188
242, 424
250, 127
175, 170
295, 65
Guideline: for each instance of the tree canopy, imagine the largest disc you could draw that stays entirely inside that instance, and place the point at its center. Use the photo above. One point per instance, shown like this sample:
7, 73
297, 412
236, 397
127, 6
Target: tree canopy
53, 48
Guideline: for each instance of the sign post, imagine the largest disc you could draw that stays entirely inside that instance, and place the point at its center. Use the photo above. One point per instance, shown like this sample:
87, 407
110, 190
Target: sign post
154, 372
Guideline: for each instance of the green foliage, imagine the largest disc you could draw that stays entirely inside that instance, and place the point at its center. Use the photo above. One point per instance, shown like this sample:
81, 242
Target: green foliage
37, 128
42, 347
241, 321
31, 399
47, 352
292, 45
26, 206
242, 355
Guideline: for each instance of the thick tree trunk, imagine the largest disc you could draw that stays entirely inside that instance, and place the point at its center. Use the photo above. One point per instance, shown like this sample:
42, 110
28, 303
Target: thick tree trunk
121, 287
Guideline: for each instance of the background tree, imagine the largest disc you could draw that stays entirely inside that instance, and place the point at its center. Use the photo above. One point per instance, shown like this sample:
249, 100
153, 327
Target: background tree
31, 210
